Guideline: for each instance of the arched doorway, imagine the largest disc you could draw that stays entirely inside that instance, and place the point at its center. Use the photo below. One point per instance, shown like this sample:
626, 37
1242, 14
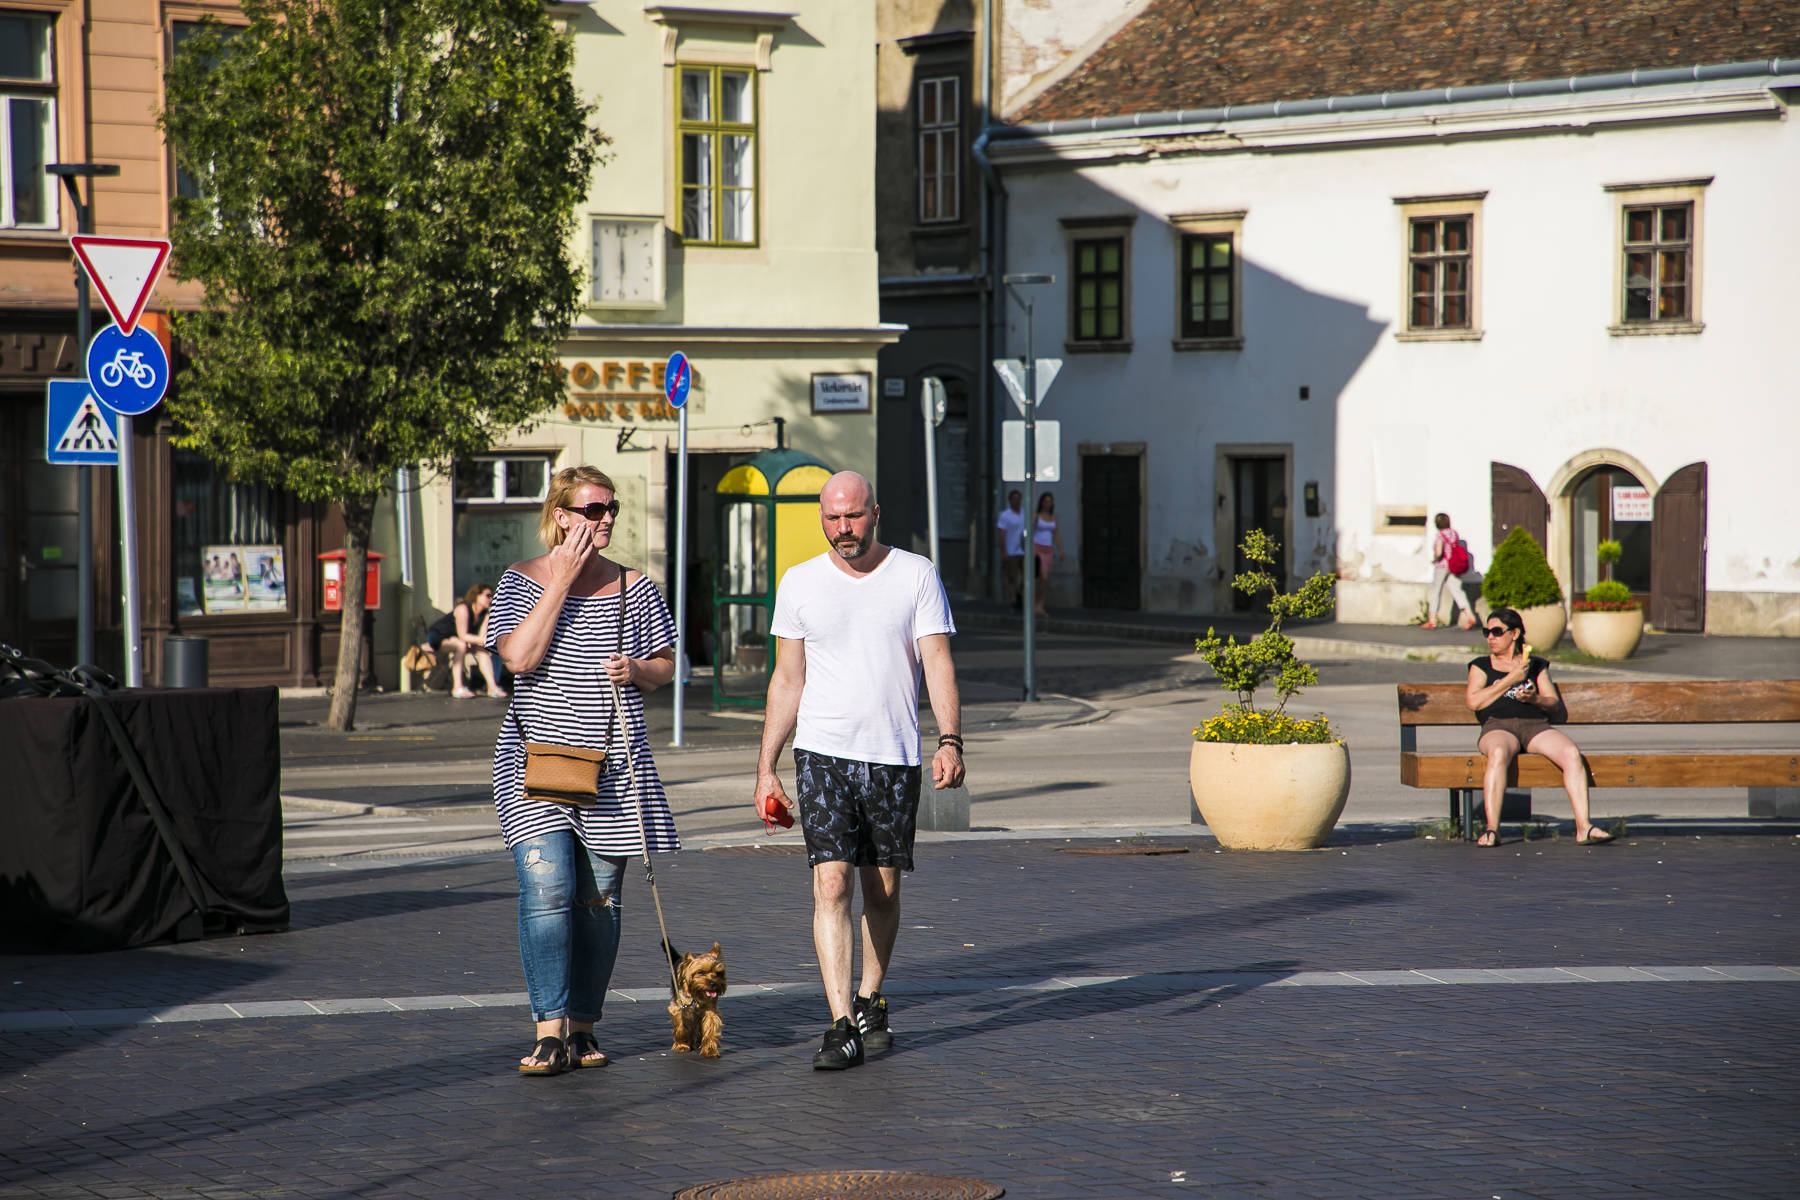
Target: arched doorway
1609, 503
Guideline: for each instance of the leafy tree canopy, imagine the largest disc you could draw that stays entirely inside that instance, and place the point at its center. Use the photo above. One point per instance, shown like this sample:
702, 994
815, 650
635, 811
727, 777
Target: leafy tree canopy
388, 193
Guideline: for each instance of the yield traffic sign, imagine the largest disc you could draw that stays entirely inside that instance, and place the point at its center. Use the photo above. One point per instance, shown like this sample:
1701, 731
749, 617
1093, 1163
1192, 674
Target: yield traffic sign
78, 429
124, 270
1012, 374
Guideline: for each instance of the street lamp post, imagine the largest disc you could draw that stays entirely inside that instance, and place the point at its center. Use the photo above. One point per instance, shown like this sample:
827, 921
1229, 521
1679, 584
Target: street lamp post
1029, 596
84, 558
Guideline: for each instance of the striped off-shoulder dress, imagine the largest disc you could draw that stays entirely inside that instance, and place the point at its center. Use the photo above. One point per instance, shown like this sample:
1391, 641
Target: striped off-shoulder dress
565, 699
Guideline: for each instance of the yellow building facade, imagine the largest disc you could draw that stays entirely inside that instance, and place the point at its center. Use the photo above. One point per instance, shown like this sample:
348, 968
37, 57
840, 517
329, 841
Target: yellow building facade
731, 219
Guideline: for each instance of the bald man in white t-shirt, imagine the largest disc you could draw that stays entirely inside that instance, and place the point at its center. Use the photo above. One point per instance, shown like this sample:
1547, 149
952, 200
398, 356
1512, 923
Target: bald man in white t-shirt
855, 629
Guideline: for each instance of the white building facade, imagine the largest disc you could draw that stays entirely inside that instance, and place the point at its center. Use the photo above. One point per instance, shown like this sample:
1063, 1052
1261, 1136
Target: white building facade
1560, 305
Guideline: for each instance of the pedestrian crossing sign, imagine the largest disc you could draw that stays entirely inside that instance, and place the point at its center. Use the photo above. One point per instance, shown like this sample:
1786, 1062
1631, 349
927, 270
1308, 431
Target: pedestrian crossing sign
79, 431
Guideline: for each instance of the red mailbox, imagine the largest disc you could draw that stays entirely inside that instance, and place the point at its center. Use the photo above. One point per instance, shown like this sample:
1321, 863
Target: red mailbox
334, 581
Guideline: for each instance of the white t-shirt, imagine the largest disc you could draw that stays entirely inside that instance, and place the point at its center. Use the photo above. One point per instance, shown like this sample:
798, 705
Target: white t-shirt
1012, 525
861, 699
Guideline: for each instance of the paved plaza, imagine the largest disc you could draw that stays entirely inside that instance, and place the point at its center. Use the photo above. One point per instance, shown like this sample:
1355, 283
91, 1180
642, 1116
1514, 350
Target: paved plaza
1126, 1012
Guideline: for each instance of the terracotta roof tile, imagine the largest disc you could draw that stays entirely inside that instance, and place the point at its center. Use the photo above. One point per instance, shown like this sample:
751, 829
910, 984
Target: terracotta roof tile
1190, 54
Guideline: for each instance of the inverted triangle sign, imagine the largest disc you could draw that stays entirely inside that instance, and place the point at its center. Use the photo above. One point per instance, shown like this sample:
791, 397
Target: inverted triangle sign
125, 270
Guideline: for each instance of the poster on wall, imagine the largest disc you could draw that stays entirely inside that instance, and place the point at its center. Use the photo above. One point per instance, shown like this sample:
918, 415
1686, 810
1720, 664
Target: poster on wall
242, 579
187, 597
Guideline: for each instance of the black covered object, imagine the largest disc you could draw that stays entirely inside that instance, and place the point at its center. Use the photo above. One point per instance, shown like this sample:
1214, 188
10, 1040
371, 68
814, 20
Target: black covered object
88, 862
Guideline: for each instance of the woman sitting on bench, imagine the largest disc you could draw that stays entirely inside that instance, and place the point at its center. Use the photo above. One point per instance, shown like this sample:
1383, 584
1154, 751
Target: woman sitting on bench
1513, 695
459, 632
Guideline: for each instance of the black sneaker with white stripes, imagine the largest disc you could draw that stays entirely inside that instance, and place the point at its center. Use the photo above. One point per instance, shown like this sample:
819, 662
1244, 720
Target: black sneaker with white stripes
842, 1047
871, 1019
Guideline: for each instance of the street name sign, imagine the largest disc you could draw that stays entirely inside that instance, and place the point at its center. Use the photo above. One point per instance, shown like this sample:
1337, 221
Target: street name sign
1012, 374
1049, 451
124, 271
78, 429
130, 373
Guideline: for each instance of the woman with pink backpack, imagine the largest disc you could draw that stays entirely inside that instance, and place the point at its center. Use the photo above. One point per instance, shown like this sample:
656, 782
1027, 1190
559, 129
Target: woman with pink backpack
1450, 559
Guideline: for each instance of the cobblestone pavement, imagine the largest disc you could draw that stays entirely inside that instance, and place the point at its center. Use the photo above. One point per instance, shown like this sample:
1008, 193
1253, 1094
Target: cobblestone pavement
1383, 1018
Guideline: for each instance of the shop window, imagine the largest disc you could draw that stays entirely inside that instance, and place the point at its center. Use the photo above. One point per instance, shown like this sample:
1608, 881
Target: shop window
27, 122
493, 479
716, 155
229, 543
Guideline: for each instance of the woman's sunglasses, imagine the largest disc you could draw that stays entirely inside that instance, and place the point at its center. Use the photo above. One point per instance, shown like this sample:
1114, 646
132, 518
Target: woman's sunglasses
1496, 631
595, 511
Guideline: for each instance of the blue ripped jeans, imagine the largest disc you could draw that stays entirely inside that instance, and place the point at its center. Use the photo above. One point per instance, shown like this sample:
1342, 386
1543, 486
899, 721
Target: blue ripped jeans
569, 919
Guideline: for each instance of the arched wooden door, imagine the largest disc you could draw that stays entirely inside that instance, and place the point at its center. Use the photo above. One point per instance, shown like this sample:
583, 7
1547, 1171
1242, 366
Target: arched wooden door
1517, 500
1678, 553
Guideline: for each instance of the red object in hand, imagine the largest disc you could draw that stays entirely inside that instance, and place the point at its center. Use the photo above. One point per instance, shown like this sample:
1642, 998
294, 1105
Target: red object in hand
773, 812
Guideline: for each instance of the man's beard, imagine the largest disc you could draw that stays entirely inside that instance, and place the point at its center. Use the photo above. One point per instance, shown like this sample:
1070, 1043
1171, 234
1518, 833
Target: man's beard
850, 548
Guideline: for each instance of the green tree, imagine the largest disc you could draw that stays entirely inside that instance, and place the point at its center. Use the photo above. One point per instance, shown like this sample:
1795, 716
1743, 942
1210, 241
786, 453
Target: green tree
388, 198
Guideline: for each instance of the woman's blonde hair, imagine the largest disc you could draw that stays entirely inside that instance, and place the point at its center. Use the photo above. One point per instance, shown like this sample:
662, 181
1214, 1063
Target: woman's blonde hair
563, 485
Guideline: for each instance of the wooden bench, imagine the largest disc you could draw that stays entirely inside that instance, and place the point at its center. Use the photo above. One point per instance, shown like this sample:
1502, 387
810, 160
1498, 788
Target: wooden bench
1687, 702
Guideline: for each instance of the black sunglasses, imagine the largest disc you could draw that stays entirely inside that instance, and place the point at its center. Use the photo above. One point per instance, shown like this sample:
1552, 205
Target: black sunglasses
1497, 630
595, 511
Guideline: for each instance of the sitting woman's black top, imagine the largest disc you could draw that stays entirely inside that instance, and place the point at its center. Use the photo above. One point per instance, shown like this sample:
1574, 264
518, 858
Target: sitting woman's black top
1507, 705
443, 627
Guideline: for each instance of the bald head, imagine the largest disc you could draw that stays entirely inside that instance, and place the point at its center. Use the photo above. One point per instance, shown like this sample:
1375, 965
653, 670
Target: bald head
848, 487
848, 514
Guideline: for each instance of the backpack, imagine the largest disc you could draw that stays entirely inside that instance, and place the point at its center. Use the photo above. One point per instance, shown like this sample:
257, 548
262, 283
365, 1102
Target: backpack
1458, 559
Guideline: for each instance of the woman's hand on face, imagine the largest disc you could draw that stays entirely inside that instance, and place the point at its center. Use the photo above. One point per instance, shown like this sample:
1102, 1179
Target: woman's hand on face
571, 554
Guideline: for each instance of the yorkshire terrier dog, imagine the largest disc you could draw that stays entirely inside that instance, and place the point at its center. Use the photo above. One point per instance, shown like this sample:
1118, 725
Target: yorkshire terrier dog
694, 1012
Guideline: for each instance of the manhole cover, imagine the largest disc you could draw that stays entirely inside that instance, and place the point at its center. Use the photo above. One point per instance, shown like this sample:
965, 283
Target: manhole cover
1121, 849
845, 1185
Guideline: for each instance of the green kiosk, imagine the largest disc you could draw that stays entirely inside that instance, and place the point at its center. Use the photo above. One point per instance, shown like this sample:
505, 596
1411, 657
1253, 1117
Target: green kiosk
767, 511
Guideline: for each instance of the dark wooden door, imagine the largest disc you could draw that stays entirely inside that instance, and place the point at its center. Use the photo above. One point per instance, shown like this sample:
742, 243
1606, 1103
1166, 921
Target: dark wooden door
39, 537
1678, 553
1259, 487
1111, 517
1516, 500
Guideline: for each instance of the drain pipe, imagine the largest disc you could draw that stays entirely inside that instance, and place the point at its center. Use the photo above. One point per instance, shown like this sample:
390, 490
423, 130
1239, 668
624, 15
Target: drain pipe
991, 214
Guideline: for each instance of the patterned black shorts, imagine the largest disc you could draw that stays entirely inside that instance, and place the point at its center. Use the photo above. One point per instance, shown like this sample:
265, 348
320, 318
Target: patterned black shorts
859, 813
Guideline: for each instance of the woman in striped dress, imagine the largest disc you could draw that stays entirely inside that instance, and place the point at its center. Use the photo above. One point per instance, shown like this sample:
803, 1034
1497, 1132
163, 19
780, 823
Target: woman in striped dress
557, 624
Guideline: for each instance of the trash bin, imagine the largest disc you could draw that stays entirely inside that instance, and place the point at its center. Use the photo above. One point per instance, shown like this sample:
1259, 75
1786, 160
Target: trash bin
184, 662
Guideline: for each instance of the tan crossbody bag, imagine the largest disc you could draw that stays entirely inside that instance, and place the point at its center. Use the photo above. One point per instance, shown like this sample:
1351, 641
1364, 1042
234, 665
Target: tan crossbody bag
570, 775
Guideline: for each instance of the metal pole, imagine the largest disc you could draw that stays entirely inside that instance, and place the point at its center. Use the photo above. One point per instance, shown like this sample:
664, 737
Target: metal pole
681, 557
134, 666
1030, 593
84, 560
927, 408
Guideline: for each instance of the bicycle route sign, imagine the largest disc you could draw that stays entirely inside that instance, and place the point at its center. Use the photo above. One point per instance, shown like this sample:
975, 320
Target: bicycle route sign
130, 373
78, 430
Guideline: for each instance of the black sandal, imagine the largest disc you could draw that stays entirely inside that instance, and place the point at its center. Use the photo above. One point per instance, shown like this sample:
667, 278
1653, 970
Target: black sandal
1493, 829
548, 1057
582, 1044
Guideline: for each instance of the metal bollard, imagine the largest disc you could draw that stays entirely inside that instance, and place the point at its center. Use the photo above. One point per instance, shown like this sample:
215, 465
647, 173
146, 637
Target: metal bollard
184, 662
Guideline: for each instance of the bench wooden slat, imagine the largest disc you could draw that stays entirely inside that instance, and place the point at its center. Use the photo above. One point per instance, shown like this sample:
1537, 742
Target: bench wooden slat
1682, 702
1612, 770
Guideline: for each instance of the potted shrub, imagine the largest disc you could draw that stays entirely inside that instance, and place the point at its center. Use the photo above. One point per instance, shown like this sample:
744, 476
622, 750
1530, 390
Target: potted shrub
1609, 622
1520, 578
1261, 779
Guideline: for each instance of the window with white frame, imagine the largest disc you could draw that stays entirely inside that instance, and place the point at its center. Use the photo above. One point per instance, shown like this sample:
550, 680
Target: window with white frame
940, 149
1441, 297
27, 121
502, 479
1657, 266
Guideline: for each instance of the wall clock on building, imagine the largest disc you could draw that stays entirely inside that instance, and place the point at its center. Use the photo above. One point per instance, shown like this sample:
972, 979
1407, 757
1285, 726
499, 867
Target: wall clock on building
627, 262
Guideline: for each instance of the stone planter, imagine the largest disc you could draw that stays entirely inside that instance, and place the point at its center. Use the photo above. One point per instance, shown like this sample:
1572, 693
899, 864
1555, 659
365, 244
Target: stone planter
1607, 634
1543, 625
1269, 797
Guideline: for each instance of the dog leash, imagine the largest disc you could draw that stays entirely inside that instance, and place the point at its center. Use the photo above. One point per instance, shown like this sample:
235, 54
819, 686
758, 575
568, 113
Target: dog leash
637, 806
